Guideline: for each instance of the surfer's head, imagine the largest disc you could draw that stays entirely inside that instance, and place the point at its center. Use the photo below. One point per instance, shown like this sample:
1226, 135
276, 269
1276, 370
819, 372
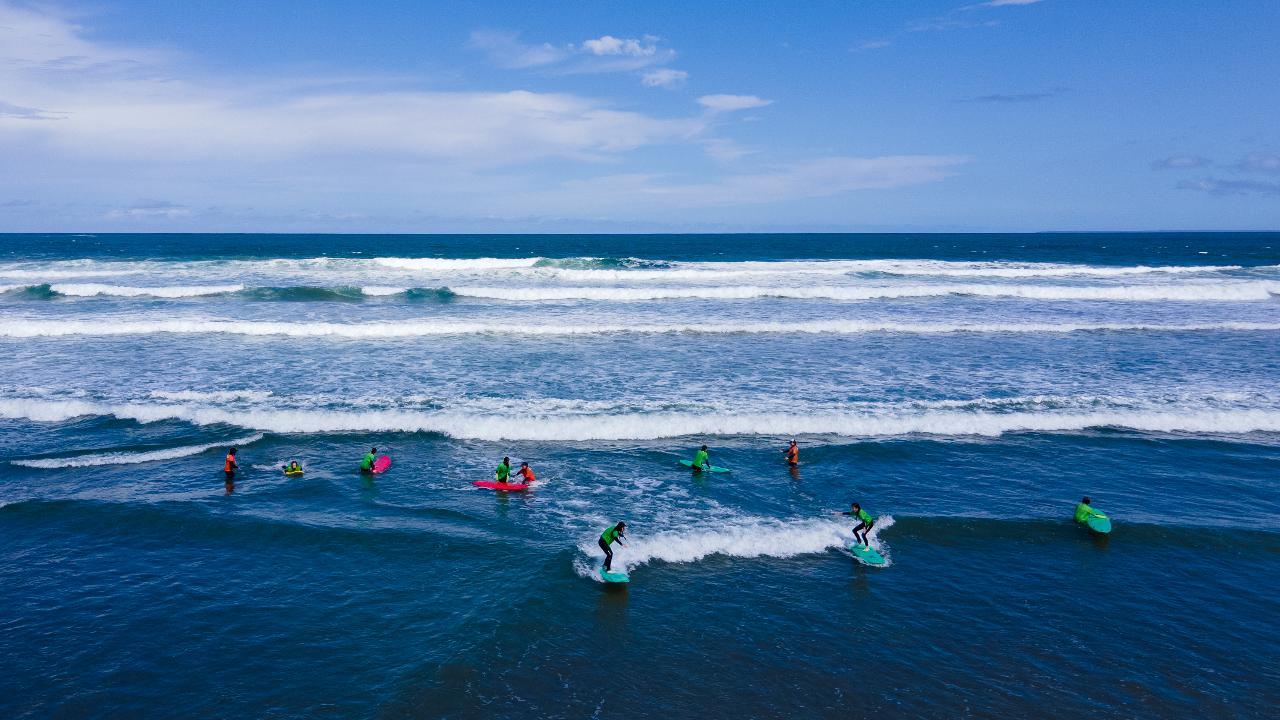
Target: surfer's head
506, 461
620, 526
704, 447
1086, 500
373, 449
524, 464
856, 507
232, 451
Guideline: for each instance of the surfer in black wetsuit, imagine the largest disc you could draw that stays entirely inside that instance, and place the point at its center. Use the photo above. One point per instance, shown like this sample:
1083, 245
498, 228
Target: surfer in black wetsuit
607, 538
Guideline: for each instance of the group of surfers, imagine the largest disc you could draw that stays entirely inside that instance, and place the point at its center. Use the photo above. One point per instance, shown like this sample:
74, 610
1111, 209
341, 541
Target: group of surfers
616, 533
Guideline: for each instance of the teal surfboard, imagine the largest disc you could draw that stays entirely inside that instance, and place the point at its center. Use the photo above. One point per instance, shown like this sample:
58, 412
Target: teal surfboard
714, 468
1099, 524
867, 555
614, 576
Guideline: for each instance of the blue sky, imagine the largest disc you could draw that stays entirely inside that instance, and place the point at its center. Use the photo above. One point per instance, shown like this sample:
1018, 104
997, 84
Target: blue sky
873, 115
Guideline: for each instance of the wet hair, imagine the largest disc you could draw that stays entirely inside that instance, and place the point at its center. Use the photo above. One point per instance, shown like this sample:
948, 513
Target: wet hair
704, 447
620, 525
1086, 500
373, 450
232, 451
856, 505
506, 459
524, 464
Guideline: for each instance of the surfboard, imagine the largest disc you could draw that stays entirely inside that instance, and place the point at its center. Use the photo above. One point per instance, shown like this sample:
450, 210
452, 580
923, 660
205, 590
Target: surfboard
293, 473
714, 468
867, 555
1099, 525
495, 485
381, 464
615, 576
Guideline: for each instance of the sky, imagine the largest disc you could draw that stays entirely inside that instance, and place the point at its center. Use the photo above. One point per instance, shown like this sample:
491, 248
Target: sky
849, 116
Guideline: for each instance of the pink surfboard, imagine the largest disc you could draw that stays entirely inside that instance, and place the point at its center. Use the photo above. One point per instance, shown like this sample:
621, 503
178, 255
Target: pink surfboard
495, 485
381, 464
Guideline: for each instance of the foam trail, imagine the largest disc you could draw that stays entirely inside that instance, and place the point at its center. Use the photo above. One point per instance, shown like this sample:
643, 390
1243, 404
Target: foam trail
420, 328
212, 396
1216, 292
126, 458
94, 289
432, 264
654, 426
747, 538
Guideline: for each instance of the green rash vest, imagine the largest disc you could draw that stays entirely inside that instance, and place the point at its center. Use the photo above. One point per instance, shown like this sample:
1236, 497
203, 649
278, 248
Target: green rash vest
610, 535
503, 473
865, 517
700, 458
1084, 512
367, 462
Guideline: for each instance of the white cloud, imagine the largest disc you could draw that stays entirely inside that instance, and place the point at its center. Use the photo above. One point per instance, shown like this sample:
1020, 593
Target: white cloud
604, 54
664, 77
505, 50
610, 45
874, 45
729, 103
1003, 3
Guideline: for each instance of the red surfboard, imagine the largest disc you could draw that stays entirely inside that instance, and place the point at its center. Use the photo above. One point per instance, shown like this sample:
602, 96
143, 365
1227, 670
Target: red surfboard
381, 464
495, 485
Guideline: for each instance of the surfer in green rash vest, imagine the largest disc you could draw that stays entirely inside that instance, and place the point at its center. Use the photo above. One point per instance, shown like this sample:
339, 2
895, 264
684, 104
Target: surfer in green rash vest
503, 473
1084, 511
700, 460
864, 524
366, 465
607, 538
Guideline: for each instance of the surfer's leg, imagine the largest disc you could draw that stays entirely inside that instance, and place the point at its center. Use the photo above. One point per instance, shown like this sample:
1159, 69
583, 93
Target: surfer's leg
608, 554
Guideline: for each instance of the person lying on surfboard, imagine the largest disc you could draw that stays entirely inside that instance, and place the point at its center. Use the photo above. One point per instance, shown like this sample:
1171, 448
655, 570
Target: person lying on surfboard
793, 454
701, 460
607, 538
866, 521
526, 473
293, 467
1084, 511
366, 465
503, 473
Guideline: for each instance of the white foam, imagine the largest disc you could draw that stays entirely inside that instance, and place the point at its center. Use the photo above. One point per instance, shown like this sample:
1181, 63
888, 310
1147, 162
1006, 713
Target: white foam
211, 396
94, 289
1222, 291
421, 328
437, 264
128, 458
659, 425
380, 290
740, 538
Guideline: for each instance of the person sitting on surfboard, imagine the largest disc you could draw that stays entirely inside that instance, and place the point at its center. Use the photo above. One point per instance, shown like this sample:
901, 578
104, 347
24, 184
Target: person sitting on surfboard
606, 539
1084, 511
793, 454
526, 473
366, 465
700, 460
866, 521
503, 473
293, 467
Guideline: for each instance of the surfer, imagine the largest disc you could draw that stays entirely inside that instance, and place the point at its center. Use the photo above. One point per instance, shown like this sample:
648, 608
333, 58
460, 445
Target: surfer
503, 473
701, 460
292, 467
366, 465
607, 538
231, 466
1084, 511
793, 454
526, 473
864, 524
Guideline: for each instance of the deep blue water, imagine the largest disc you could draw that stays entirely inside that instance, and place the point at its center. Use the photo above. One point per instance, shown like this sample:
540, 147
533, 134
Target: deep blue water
965, 389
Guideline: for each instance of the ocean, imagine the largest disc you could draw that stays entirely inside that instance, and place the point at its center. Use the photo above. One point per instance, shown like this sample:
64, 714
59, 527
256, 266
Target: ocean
966, 390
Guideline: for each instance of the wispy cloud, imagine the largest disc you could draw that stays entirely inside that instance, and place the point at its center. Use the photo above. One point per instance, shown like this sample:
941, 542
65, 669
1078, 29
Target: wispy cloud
605, 54
664, 77
1260, 162
9, 110
1005, 3
1218, 186
1013, 98
729, 103
872, 45
150, 209
1180, 162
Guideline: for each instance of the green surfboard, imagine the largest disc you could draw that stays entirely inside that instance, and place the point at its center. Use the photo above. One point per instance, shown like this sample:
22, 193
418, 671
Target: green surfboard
713, 468
614, 576
866, 554
1099, 524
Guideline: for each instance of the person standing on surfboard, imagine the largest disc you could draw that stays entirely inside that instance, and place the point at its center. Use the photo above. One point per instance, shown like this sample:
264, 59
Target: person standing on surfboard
526, 473
503, 473
607, 538
793, 454
864, 524
1084, 511
701, 460
366, 465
